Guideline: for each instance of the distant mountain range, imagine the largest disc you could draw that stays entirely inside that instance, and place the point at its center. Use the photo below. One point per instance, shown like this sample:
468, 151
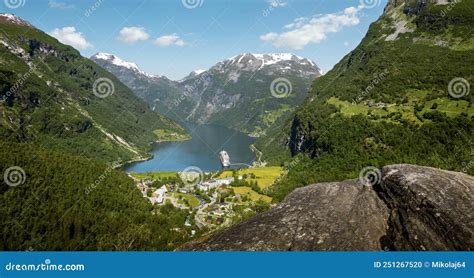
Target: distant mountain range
236, 92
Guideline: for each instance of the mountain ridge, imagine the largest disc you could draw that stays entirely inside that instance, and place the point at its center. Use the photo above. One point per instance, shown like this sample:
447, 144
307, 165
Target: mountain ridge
209, 96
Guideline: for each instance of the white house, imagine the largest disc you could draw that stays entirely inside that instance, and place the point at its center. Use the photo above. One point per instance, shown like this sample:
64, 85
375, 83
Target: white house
206, 186
159, 195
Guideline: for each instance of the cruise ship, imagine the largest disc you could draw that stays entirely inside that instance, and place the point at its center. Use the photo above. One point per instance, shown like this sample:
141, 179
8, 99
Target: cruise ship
225, 159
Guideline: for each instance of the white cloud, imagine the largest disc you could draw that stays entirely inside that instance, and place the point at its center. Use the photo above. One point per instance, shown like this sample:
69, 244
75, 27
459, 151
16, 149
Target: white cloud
304, 31
168, 40
269, 37
69, 36
59, 5
276, 3
133, 35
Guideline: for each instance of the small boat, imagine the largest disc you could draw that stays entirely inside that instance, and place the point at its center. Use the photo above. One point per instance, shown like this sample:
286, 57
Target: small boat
225, 159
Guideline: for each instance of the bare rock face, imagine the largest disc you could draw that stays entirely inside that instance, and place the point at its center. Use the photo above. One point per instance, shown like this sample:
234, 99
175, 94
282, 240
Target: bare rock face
410, 208
326, 216
431, 209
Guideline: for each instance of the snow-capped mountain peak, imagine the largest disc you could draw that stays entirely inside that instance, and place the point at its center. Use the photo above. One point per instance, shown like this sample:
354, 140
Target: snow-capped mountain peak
192, 74
119, 62
273, 62
14, 19
198, 71
270, 59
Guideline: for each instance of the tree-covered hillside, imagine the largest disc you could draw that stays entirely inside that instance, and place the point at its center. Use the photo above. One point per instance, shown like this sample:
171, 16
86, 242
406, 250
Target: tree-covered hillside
402, 96
52, 96
64, 202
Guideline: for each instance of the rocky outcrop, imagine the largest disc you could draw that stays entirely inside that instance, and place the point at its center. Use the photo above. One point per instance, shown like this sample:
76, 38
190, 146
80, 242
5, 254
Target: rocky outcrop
430, 209
409, 208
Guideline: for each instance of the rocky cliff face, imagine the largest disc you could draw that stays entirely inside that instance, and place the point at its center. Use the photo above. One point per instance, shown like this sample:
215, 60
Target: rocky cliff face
430, 209
409, 208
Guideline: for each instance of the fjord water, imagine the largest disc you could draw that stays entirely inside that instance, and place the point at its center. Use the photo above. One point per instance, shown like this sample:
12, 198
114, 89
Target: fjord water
201, 151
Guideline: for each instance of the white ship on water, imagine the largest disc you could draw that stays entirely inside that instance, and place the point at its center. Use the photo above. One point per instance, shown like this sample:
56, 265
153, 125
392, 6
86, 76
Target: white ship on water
225, 159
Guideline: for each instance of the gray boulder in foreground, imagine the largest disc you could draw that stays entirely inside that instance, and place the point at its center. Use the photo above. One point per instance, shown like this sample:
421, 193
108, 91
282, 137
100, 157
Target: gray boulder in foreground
410, 208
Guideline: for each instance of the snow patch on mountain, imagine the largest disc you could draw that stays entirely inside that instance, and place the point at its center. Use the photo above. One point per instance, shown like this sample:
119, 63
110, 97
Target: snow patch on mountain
14, 19
121, 63
199, 71
272, 58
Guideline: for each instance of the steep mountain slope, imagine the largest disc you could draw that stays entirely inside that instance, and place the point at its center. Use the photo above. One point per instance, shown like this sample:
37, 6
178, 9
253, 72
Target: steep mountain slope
158, 91
51, 96
64, 202
248, 92
402, 96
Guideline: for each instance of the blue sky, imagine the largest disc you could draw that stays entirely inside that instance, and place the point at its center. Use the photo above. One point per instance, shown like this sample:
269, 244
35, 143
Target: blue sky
174, 37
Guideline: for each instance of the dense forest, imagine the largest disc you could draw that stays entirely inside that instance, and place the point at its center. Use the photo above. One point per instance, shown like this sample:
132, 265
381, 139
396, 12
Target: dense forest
70, 203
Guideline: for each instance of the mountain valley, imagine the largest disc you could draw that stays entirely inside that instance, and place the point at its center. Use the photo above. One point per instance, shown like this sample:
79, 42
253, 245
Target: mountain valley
375, 154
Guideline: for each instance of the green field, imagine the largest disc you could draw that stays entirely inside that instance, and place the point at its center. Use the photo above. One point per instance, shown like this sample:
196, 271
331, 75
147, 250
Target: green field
405, 111
170, 135
265, 176
154, 175
254, 196
191, 200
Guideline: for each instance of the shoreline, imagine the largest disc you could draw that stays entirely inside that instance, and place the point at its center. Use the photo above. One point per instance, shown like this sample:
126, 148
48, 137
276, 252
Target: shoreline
149, 156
